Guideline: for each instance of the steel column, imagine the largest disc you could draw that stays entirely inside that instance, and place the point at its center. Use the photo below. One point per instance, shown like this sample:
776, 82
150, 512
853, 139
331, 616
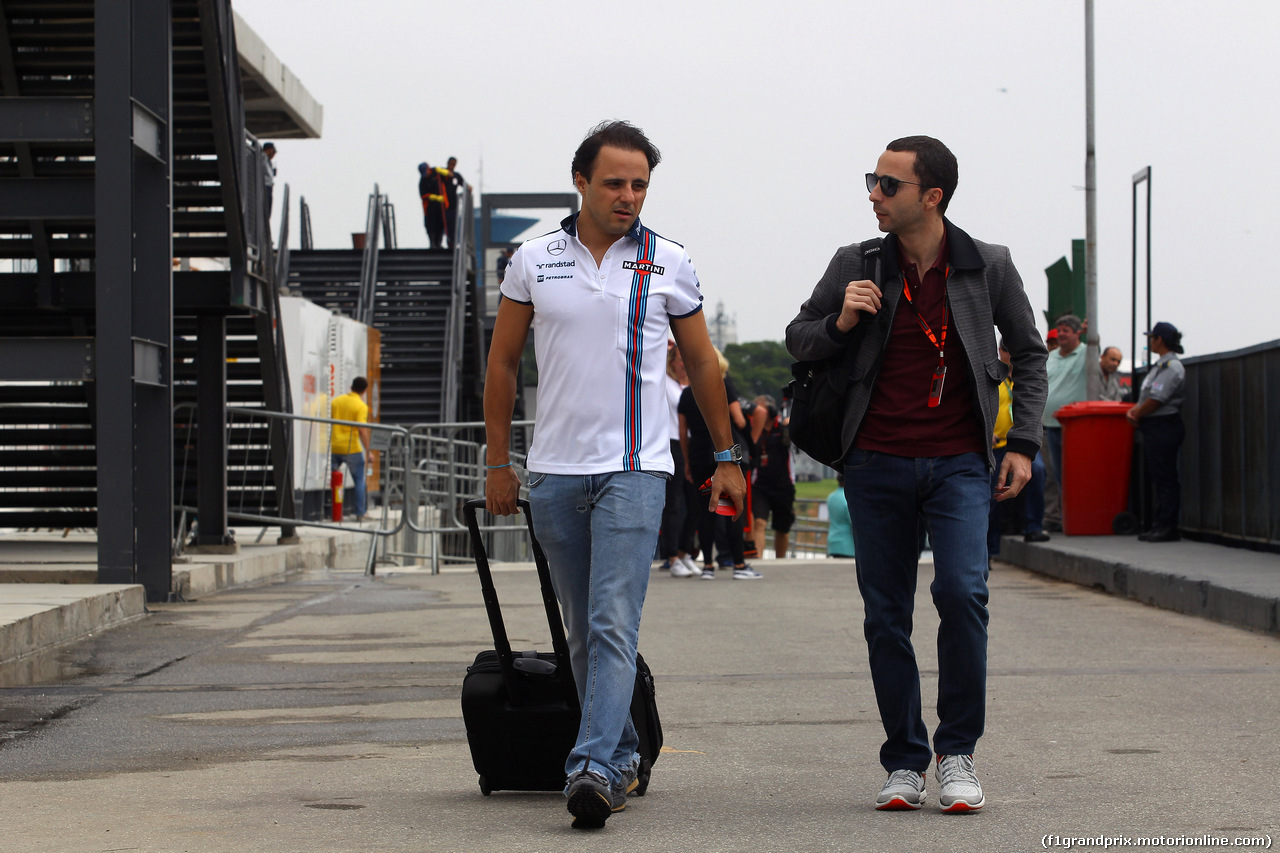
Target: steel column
113, 188
134, 292
153, 294
211, 432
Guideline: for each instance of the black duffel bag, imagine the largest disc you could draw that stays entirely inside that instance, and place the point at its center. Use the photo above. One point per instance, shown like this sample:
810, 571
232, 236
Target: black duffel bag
819, 390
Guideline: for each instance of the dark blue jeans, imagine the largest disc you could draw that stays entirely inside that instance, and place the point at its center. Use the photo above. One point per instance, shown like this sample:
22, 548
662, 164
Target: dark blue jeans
887, 497
1161, 439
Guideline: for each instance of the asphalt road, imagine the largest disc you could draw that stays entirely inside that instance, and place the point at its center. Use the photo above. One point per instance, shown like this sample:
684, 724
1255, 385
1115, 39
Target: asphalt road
322, 715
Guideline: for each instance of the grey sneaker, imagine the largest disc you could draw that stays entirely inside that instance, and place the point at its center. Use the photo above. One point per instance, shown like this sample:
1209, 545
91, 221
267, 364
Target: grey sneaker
903, 790
708, 574
961, 790
630, 781
746, 573
591, 799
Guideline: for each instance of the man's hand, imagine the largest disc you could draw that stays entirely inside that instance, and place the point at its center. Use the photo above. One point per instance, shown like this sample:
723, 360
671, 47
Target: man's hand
1015, 472
501, 490
728, 481
858, 296
1141, 410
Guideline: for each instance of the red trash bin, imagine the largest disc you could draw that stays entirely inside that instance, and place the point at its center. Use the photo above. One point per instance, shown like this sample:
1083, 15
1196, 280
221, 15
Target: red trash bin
1097, 452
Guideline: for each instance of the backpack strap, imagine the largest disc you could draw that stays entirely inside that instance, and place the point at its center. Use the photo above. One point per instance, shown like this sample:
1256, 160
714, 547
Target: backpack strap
870, 256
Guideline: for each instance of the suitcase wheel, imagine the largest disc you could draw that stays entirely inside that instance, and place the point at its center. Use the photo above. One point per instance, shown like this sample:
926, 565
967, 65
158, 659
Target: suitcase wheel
484, 786
1125, 524
642, 776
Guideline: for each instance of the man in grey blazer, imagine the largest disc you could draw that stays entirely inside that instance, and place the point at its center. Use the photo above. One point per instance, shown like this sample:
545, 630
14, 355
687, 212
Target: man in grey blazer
918, 430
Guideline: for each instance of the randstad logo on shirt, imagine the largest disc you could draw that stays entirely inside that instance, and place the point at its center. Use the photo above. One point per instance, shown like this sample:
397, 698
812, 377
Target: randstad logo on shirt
644, 267
558, 264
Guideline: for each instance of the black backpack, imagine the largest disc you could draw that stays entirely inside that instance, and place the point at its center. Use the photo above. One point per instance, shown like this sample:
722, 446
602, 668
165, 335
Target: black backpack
820, 388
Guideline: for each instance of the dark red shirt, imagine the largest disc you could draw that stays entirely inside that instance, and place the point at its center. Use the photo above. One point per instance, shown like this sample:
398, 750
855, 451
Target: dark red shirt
899, 420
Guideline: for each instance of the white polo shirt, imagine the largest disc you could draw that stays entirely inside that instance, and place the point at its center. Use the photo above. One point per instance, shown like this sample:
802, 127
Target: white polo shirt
600, 337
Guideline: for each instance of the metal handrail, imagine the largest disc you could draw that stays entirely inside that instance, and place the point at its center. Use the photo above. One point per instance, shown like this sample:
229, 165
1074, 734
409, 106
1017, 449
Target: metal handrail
382, 531
306, 241
806, 525
369, 260
445, 471
390, 239
457, 304
282, 244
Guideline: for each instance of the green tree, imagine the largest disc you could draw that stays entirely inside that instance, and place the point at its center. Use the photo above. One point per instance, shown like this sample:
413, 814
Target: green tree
759, 367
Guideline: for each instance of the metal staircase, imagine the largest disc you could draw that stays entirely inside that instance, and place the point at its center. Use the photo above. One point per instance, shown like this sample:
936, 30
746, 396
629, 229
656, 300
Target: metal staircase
424, 305
123, 146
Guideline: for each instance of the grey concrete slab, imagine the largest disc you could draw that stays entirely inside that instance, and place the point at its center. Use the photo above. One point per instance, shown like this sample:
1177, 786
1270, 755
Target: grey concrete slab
39, 616
1233, 585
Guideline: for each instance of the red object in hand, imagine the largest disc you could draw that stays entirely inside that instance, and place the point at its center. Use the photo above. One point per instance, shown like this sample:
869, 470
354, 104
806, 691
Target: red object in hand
724, 506
337, 495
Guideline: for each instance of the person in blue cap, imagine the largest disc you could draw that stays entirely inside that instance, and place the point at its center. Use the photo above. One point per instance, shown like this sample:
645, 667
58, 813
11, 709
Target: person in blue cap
1158, 416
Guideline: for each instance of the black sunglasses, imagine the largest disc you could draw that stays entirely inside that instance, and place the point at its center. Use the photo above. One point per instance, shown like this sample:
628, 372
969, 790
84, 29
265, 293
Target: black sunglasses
888, 184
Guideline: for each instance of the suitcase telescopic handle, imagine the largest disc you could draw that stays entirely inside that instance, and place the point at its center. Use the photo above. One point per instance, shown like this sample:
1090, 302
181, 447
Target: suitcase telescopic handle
501, 643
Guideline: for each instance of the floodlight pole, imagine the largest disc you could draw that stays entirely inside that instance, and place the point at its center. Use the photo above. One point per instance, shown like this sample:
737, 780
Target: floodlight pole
1093, 375
1143, 175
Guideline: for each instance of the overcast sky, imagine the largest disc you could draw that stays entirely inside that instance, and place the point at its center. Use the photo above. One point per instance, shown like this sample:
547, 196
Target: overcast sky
769, 114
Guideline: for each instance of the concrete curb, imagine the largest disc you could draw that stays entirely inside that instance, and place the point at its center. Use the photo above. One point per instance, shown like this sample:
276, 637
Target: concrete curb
1191, 577
47, 604
258, 564
38, 616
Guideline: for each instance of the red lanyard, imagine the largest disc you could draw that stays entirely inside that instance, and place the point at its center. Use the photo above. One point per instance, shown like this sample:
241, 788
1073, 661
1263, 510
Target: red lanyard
940, 342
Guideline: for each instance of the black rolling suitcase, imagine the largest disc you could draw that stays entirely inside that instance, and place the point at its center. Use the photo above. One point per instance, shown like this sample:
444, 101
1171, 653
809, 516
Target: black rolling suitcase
521, 708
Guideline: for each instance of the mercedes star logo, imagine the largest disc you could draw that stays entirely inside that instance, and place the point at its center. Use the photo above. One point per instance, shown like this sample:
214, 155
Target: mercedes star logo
557, 247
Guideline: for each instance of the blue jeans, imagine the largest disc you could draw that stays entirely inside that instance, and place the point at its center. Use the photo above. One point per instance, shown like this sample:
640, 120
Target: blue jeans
1032, 503
355, 464
887, 497
599, 532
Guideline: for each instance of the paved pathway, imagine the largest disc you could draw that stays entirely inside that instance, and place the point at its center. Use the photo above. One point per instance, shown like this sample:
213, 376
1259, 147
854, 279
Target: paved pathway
321, 715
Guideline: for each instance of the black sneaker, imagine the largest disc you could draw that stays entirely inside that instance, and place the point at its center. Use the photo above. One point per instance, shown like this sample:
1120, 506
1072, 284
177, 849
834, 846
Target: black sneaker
1161, 534
1036, 536
591, 800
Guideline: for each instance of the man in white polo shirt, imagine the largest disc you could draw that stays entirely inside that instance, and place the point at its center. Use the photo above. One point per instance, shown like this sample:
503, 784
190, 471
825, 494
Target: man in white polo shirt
601, 293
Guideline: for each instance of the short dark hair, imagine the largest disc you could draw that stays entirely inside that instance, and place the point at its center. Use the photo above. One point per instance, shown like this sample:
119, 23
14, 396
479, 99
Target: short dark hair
359, 384
617, 134
935, 165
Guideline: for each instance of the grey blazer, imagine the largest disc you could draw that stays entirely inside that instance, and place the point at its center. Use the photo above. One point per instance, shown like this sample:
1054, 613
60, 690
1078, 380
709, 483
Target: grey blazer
984, 290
